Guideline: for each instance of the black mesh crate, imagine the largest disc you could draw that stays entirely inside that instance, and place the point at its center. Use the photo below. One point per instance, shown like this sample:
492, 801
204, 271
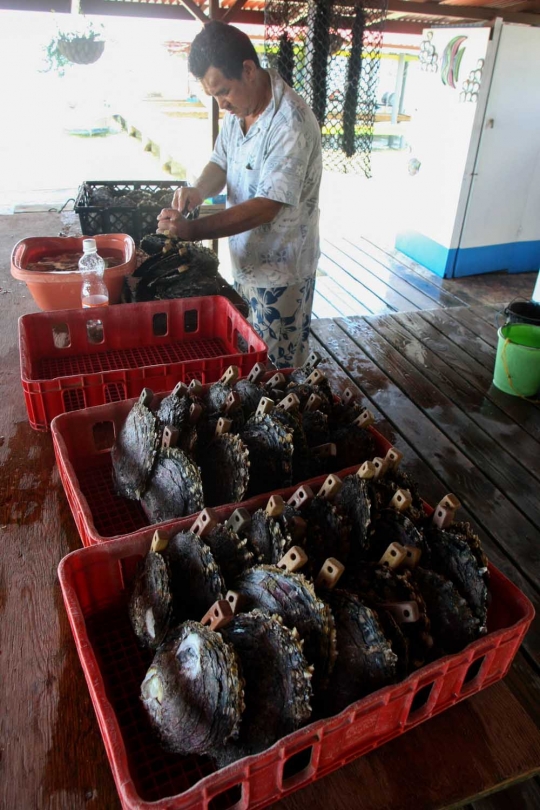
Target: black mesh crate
104, 206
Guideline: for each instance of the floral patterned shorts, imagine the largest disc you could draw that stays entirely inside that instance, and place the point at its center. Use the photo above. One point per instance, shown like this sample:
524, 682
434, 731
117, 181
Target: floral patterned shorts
281, 317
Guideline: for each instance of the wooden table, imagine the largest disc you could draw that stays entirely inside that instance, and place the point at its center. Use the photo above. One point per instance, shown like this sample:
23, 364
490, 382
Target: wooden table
427, 378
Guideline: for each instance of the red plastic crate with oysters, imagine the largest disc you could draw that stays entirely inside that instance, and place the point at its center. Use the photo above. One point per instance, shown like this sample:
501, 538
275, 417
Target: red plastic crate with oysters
238, 654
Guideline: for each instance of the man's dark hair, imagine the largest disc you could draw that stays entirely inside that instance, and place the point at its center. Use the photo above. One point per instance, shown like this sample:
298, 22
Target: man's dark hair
223, 47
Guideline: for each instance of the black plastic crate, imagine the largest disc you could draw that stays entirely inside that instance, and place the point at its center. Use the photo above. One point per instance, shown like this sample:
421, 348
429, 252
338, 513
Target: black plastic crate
137, 221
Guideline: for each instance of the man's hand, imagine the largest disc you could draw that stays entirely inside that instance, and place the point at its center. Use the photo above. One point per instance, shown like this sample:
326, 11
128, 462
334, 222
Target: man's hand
186, 199
172, 221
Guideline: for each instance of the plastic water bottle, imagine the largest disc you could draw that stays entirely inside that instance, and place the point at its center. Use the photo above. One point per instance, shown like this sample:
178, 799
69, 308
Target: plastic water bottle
94, 292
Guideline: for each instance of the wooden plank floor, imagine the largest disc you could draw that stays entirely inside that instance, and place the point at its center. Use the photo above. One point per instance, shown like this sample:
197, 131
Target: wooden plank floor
426, 375
358, 277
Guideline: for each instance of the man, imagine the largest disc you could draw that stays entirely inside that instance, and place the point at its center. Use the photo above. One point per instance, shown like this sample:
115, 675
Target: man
268, 154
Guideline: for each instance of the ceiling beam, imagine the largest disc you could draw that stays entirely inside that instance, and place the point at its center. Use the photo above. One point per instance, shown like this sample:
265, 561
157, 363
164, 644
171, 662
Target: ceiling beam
229, 14
195, 10
463, 12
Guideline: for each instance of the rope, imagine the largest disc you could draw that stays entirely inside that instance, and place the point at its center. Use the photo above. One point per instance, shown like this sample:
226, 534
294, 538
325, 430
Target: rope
509, 376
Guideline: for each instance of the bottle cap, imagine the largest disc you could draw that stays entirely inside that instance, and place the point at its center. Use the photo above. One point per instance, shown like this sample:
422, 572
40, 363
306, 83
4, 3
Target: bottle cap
89, 245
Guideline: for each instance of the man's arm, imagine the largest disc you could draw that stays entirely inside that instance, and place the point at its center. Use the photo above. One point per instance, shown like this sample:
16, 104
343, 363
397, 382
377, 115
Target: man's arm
237, 219
211, 182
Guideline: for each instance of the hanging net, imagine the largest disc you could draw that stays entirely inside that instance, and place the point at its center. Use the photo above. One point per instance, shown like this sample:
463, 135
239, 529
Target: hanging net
330, 55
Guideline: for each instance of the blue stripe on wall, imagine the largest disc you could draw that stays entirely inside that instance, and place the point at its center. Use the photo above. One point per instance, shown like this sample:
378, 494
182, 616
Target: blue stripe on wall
427, 252
515, 257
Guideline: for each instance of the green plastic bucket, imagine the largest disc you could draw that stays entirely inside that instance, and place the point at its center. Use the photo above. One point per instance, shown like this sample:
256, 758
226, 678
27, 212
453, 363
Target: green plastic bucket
517, 366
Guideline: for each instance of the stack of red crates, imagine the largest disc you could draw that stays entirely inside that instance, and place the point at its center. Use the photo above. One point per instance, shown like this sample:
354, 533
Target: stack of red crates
96, 582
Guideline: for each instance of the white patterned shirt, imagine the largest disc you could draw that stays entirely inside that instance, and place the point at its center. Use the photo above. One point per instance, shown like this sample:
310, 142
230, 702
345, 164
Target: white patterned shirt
279, 159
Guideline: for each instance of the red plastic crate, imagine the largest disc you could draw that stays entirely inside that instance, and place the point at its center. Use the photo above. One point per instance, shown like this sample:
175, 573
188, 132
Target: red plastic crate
94, 583
154, 345
82, 442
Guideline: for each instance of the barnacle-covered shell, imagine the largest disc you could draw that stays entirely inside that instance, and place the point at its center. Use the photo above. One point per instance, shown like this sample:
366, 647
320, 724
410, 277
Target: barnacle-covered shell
328, 533
197, 580
343, 414
451, 555
216, 396
354, 445
365, 660
292, 422
231, 553
378, 585
175, 487
134, 452
251, 394
193, 691
277, 683
385, 488
293, 598
354, 501
453, 625
267, 538
225, 468
316, 430
270, 447
151, 603
304, 390
390, 526
174, 411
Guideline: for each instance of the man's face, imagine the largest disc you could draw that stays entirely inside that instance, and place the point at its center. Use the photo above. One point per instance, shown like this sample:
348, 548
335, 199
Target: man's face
233, 95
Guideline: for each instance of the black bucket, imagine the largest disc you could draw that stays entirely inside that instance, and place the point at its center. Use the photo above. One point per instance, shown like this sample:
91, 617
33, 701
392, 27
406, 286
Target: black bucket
523, 312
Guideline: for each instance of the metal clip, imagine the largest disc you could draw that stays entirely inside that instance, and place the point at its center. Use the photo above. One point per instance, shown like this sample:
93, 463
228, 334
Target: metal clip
289, 403
403, 612
230, 376
313, 360
330, 487
314, 403
293, 560
364, 420
239, 520
195, 388
442, 518
170, 437
450, 502
329, 574
393, 556
233, 402
180, 390
275, 506
393, 458
145, 397
366, 471
266, 405
348, 396
223, 426
206, 521
256, 373
380, 467
218, 616
277, 381
301, 497
235, 600
315, 378
160, 541
413, 557
401, 501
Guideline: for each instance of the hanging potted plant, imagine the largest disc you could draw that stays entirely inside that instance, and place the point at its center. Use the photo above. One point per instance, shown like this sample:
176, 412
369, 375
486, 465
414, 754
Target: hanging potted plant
81, 47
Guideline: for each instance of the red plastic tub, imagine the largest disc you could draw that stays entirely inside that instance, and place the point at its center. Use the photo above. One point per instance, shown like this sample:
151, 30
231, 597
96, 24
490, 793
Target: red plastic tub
62, 290
82, 441
68, 364
94, 583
